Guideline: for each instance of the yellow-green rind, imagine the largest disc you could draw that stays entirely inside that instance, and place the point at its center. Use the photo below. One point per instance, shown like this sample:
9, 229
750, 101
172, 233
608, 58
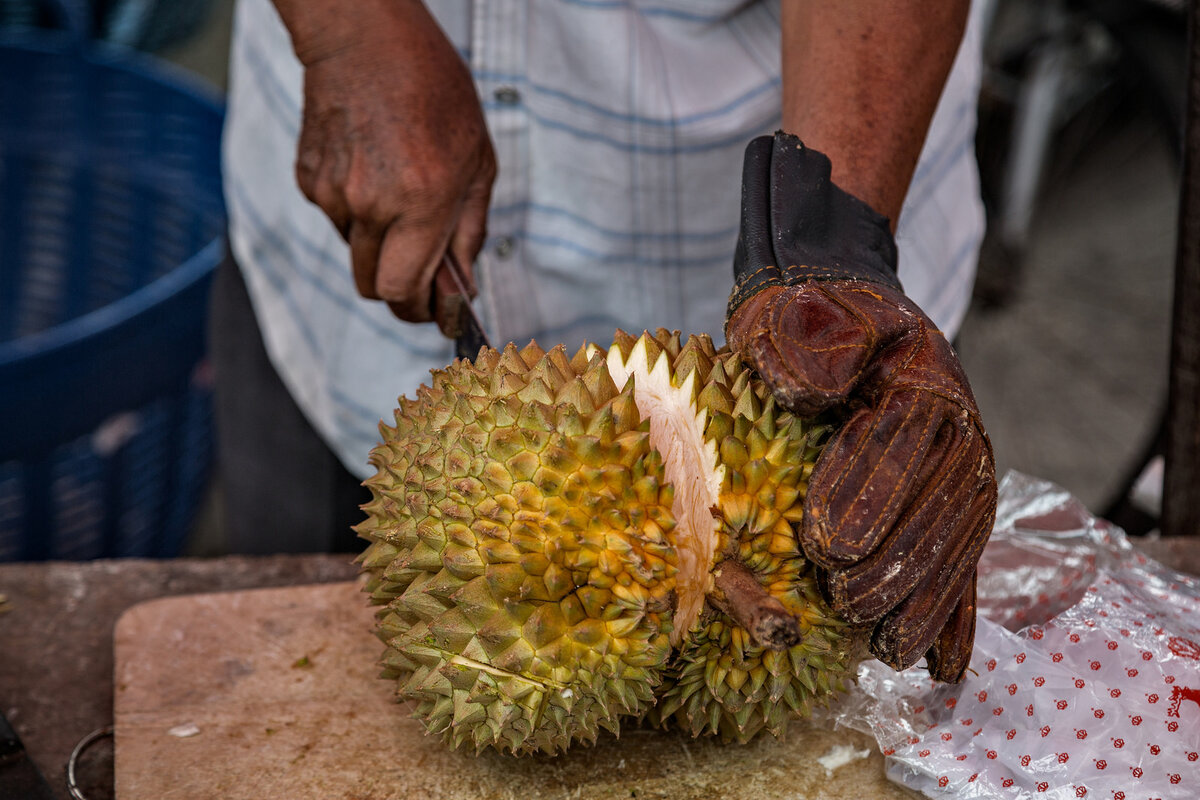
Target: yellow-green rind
519, 552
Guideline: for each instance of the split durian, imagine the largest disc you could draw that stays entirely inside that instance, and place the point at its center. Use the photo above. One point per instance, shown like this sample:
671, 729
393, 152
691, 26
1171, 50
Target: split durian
562, 544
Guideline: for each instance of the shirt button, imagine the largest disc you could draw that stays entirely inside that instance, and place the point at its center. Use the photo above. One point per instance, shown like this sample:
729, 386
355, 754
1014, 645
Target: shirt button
508, 95
505, 246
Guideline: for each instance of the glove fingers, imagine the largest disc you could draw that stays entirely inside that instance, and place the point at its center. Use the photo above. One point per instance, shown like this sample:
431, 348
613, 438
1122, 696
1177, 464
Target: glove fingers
812, 348
906, 634
946, 480
950, 655
864, 478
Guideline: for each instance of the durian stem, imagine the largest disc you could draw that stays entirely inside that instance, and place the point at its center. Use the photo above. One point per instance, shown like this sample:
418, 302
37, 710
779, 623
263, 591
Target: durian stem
740, 595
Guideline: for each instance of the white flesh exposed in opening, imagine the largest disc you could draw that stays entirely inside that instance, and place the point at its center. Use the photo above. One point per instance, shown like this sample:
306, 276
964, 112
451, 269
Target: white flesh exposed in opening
690, 464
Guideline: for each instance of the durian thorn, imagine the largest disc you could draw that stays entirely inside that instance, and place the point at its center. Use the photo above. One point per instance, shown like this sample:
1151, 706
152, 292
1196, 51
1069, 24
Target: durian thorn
741, 597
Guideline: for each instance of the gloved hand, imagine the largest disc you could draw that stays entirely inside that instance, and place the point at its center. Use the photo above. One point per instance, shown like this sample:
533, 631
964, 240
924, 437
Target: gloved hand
903, 497
394, 149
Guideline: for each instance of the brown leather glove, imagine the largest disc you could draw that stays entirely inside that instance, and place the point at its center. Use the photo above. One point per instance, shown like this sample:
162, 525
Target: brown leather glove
903, 498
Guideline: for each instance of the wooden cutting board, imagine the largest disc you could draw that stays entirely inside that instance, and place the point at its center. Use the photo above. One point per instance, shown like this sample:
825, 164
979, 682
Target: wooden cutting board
272, 693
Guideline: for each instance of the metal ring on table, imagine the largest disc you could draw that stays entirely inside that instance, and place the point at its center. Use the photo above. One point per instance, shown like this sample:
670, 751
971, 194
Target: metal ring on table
84, 744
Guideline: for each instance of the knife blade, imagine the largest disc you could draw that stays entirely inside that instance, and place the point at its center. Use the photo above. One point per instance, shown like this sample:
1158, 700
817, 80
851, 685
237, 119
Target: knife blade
19, 777
471, 336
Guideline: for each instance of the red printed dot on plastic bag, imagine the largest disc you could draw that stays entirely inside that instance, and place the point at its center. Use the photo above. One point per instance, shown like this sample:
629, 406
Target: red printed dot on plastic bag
1100, 685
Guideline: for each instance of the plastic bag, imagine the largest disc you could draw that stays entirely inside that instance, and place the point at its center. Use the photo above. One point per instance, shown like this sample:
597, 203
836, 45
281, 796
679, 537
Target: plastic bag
1085, 680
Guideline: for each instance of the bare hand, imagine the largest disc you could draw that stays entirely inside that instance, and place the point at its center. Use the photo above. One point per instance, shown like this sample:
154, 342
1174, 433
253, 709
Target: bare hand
394, 149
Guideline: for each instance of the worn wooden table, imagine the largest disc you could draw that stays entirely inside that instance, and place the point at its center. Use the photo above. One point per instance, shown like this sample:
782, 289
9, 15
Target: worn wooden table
56, 640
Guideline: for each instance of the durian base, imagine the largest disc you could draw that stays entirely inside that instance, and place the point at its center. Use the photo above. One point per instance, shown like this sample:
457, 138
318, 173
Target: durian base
274, 725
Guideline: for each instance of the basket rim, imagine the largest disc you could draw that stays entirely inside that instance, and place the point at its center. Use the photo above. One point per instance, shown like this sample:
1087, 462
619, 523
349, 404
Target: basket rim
107, 55
48, 342
143, 66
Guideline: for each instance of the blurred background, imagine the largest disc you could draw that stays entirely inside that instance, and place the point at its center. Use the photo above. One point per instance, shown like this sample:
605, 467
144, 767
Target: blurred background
111, 218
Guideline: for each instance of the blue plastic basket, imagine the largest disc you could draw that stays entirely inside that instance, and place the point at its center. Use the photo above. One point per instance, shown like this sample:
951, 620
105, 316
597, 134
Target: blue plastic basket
111, 223
144, 24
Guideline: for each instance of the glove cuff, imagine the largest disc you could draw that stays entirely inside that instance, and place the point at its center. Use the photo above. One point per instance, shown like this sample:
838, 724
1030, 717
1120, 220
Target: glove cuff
797, 225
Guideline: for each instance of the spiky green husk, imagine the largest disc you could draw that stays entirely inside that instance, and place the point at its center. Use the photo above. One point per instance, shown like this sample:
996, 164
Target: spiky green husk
721, 683
526, 558
519, 541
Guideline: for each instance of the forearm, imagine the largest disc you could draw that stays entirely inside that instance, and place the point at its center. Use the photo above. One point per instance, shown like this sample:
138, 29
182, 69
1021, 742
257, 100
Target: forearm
321, 28
861, 80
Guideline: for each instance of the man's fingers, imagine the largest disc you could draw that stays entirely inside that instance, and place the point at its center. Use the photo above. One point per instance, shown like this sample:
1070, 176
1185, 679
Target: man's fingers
328, 194
365, 243
946, 480
409, 258
950, 655
471, 230
322, 168
906, 634
865, 477
309, 152
465, 243
397, 262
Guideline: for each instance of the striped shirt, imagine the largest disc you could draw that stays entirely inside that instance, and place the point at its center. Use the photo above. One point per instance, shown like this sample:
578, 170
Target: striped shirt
619, 128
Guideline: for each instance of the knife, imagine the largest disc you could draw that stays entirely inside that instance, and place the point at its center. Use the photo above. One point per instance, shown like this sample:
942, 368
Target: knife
18, 775
470, 336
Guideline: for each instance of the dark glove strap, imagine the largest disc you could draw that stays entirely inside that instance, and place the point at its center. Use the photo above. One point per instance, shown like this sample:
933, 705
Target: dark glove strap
797, 225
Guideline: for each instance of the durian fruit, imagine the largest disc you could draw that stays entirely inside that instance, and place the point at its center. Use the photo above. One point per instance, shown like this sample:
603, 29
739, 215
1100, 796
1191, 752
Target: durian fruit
562, 543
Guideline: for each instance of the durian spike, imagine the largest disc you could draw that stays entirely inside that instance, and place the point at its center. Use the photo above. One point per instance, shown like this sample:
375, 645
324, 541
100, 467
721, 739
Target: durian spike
532, 353
624, 342
579, 361
487, 360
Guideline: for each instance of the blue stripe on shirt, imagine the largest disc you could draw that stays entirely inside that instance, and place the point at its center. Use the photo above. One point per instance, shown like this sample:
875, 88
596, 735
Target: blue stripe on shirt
583, 222
934, 168
628, 117
366, 416
623, 258
754, 54
964, 149
649, 11
736, 139
279, 283
286, 108
336, 293
965, 251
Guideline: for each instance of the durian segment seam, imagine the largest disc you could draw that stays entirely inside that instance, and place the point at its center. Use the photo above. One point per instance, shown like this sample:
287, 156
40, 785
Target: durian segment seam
690, 464
465, 661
